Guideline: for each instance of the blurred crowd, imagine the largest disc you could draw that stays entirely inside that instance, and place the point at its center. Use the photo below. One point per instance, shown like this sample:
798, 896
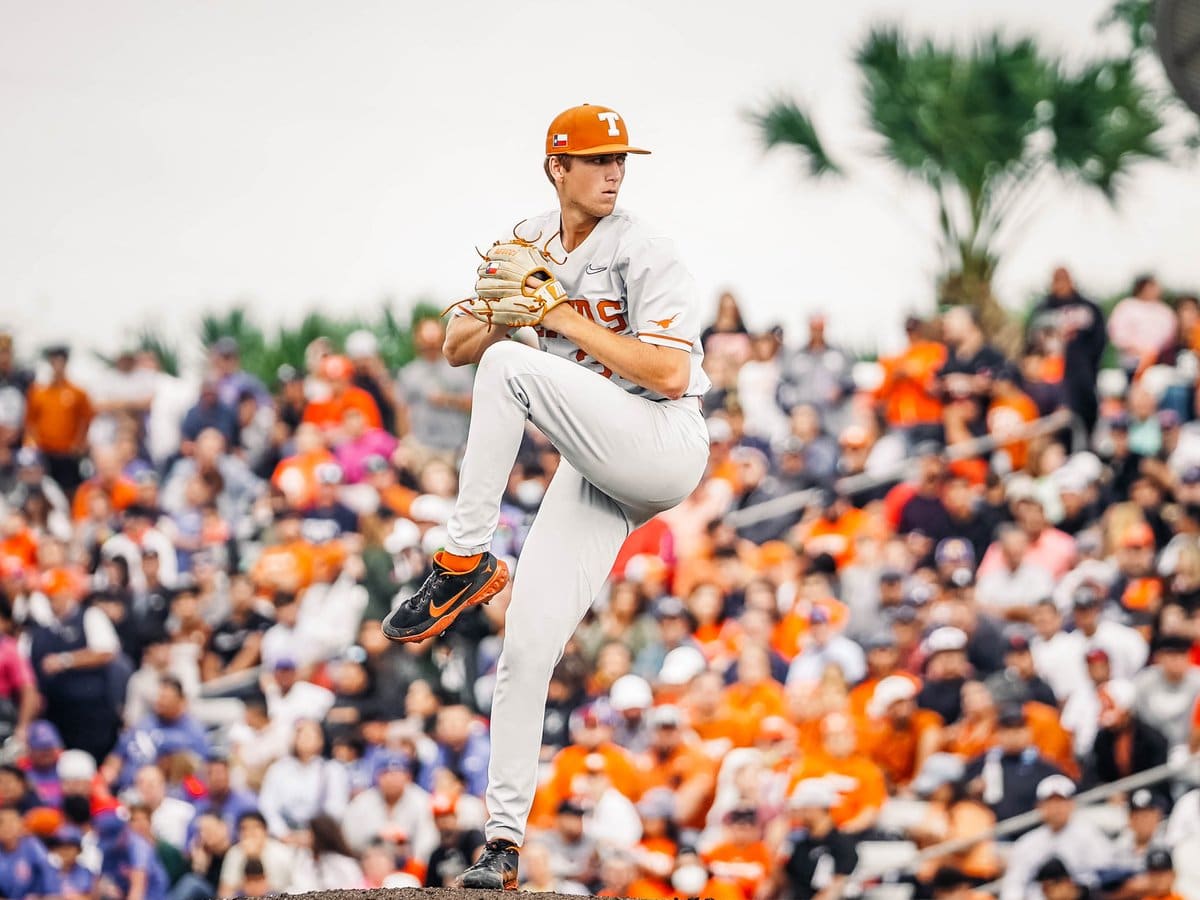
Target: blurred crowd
895, 612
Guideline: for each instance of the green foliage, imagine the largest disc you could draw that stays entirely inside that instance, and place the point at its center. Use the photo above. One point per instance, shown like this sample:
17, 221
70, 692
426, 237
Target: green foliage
264, 351
981, 128
1137, 18
149, 339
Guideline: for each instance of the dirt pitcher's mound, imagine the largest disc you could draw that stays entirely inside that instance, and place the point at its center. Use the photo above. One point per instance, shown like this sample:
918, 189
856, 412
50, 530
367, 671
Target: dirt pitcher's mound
425, 894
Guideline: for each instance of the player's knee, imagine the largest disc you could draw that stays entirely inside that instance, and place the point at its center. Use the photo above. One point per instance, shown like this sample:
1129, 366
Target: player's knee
501, 358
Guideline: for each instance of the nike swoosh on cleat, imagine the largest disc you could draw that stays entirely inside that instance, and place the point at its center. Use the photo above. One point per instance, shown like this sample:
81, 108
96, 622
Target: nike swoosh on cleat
589, 269
435, 610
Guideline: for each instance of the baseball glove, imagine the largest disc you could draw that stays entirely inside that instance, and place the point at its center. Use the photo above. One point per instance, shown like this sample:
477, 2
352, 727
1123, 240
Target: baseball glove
501, 295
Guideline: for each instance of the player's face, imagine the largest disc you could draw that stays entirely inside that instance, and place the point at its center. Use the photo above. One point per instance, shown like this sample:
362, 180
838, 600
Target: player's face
593, 182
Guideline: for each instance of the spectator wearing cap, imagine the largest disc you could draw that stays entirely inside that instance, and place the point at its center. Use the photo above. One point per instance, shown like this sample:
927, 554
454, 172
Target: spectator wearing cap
1167, 691
40, 765
631, 698
456, 847
1019, 681
129, 866
71, 657
572, 850
25, 867
1137, 591
303, 784
862, 788
435, 397
1082, 847
1126, 648
1146, 830
1075, 325
371, 374
946, 670
883, 661
1054, 882
57, 416
327, 517
817, 856
591, 731
74, 878
1005, 777
1159, 881
823, 646
1125, 744
395, 800
897, 735
676, 761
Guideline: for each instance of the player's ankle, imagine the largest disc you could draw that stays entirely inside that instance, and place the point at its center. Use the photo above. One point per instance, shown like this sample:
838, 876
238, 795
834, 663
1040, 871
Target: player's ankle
455, 562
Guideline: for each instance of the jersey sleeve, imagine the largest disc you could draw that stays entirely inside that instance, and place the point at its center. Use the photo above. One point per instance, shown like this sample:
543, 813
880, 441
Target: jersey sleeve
663, 305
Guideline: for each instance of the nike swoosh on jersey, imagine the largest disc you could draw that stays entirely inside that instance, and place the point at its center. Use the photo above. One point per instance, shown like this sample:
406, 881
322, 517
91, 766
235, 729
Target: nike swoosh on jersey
589, 269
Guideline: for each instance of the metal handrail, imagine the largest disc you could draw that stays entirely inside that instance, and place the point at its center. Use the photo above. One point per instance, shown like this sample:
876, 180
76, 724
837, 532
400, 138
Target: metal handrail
778, 506
1027, 820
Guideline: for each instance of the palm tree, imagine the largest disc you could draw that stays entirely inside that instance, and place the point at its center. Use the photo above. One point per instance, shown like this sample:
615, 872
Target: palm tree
983, 130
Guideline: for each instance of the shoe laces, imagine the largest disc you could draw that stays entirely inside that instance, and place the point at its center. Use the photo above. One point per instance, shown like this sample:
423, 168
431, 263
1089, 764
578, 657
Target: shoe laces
431, 584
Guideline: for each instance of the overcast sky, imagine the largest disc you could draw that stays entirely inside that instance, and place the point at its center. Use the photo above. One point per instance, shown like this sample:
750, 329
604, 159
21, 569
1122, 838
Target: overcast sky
161, 158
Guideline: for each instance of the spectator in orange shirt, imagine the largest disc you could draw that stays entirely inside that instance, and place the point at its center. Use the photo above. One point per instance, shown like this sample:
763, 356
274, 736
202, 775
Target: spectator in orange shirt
296, 475
718, 724
108, 480
691, 878
743, 857
835, 528
676, 761
755, 693
655, 853
337, 372
592, 731
883, 661
1010, 410
907, 393
951, 814
289, 564
898, 736
865, 790
57, 417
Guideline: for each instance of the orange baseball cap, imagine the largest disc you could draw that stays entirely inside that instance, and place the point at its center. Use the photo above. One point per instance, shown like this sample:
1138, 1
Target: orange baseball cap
588, 131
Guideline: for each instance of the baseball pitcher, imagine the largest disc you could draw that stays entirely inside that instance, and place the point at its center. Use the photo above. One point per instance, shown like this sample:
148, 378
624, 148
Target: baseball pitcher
615, 384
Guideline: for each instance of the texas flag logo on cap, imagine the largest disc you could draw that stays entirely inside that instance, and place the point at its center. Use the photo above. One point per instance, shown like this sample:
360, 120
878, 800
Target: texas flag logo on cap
560, 140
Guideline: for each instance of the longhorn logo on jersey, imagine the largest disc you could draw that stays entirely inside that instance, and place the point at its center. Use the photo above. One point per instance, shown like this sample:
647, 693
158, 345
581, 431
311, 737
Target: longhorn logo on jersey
664, 324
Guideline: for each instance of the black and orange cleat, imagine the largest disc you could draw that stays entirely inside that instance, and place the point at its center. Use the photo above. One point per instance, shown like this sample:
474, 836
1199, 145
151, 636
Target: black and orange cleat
495, 870
443, 597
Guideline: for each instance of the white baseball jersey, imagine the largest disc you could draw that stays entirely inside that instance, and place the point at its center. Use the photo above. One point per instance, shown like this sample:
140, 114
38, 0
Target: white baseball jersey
630, 279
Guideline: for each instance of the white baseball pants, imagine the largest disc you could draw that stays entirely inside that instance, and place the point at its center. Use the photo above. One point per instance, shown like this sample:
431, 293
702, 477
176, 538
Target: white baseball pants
624, 459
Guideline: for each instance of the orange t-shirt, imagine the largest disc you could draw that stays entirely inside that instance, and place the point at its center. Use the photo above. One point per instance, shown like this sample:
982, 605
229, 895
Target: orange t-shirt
288, 567
57, 417
906, 392
1045, 732
23, 546
861, 694
296, 476
896, 751
570, 763
727, 724
787, 637
1006, 415
330, 412
756, 700
121, 494
869, 790
835, 538
746, 865
686, 765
